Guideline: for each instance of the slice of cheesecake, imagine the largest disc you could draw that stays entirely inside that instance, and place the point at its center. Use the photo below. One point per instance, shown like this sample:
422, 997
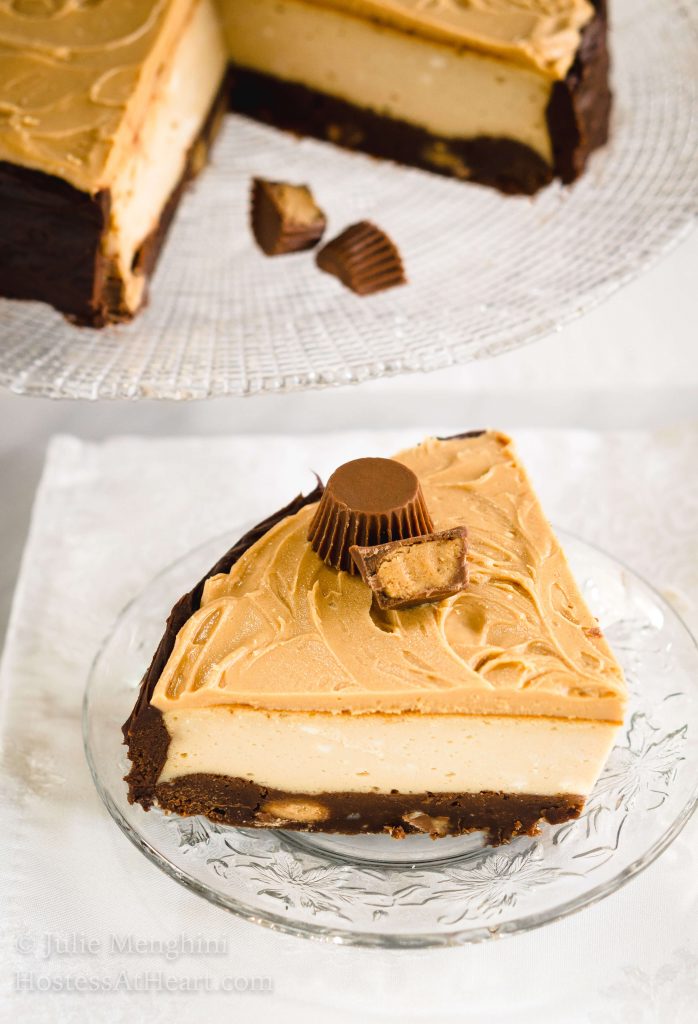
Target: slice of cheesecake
106, 110
281, 695
509, 93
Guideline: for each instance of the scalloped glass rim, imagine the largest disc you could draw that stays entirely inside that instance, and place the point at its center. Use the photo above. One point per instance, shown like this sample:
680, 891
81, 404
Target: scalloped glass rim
224, 320
113, 795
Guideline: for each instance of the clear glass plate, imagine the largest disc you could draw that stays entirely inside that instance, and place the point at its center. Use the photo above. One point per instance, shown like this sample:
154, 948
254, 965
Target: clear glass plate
377, 891
487, 272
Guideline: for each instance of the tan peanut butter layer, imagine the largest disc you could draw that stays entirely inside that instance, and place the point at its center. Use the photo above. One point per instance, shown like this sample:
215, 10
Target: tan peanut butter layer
543, 34
284, 631
78, 80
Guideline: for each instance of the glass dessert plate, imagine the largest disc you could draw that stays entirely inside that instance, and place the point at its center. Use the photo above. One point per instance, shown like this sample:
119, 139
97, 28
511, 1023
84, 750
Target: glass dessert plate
378, 891
486, 272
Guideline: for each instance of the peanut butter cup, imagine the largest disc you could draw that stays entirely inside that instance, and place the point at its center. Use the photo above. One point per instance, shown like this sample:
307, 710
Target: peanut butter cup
417, 570
285, 218
367, 502
363, 258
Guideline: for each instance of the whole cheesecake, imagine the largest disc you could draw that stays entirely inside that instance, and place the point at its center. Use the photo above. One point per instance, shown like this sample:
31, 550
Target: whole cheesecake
108, 108
284, 695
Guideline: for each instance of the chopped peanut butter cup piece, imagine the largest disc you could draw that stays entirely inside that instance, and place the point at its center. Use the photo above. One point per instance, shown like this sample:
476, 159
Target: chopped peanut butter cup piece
363, 258
367, 502
417, 570
285, 218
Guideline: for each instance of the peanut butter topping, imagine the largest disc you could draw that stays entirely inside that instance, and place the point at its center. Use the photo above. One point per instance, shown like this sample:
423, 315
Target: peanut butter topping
78, 78
543, 34
284, 631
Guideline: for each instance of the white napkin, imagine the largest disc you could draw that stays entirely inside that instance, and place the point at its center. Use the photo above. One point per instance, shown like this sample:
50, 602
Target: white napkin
107, 518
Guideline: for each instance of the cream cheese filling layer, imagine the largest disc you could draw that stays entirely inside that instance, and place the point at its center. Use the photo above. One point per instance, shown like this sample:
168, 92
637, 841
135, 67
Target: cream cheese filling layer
144, 182
299, 752
448, 91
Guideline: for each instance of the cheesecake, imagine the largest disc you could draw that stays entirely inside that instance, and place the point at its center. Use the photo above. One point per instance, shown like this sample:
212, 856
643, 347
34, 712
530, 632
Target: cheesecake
108, 108
106, 111
283, 695
509, 93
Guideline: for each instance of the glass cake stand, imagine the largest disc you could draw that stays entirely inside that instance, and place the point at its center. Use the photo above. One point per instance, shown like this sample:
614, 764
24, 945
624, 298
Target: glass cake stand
487, 272
377, 891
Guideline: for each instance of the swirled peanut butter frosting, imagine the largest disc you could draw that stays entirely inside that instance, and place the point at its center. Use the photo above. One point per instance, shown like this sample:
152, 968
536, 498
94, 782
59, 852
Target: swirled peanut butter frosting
284, 631
78, 78
544, 34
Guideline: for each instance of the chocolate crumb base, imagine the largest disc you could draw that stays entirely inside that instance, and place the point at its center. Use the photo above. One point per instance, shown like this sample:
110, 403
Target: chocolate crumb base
144, 731
504, 164
51, 235
244, 804
577, 117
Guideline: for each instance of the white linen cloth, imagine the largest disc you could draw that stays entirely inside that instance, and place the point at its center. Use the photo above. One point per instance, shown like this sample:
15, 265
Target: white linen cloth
107, 518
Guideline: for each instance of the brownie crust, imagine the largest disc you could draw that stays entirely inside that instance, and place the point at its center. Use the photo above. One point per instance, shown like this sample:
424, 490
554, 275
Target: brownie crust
577, 117
241, 803
51, 236
504, 164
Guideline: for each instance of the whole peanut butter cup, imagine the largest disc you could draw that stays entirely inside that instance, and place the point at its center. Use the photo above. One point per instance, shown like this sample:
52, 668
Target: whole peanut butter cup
367, 502
364, 259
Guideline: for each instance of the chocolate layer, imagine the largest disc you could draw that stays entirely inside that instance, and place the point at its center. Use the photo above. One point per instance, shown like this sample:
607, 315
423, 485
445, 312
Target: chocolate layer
241, 803
51, 235
577, 117
144, 730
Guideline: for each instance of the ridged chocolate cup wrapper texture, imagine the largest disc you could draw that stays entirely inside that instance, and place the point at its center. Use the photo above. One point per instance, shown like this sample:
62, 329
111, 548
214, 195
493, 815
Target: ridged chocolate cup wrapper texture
284, 218
366, 502
364, 259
